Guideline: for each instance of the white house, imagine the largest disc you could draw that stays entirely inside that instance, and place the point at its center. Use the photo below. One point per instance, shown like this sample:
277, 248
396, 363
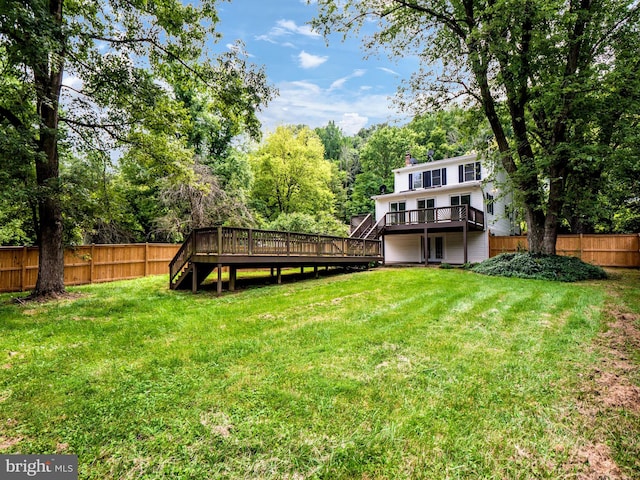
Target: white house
440, 212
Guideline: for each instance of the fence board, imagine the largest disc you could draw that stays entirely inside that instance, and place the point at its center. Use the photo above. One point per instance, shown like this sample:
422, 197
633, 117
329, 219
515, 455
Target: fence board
86, 264
605, 250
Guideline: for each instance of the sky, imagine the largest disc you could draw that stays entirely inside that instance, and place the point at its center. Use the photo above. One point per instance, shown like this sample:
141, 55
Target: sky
317, 82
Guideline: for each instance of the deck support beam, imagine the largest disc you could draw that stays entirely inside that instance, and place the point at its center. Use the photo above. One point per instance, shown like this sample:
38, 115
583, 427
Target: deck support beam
425, 246
232, 278
464, 241
279, 275
194, 277
219, 282
315, 271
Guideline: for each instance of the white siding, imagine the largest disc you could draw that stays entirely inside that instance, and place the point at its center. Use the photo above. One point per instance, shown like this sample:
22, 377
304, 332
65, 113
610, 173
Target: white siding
409, 248
477, 247
402, 249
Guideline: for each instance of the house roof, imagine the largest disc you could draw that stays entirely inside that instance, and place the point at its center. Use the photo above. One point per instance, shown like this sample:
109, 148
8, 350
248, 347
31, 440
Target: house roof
421, 192
419, 167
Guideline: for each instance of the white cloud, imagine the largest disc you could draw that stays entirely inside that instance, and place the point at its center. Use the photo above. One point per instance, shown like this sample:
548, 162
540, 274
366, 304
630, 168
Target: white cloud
352, 123
389, 71
308, 60
286, 28
289, 26
341, 81
306, 103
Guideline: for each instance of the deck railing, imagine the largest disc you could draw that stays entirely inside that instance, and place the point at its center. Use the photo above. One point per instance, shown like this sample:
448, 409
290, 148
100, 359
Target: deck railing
456, 213
243, 241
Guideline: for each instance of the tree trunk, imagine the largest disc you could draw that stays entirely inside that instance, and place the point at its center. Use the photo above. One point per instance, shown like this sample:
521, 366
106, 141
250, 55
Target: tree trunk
48, 71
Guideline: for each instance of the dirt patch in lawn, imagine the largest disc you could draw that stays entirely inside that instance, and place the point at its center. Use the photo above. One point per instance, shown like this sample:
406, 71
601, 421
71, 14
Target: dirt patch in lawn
610, 392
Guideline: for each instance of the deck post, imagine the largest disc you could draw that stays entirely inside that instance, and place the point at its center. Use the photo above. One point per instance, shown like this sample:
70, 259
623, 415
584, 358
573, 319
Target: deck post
315, 271
464, 241
194, 277
232, 278
279, 274
425, 246
219, 282
220, 240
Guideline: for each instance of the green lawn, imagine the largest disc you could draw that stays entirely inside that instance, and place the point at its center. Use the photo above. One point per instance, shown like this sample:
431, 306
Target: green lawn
389, 373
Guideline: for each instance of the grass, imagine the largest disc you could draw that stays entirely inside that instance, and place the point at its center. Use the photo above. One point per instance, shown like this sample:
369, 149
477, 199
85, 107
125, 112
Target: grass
390, 373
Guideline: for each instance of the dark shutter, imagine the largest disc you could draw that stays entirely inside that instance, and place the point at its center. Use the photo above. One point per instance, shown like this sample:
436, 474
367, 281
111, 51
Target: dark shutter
444, 176
460, 173
426, 179
411, 181
478, 175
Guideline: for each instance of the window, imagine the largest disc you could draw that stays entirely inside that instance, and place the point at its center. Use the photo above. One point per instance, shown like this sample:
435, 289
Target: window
426, 210
415, 181
490, 202
434, 178
398, 212
456, 201
461, 200
469, 172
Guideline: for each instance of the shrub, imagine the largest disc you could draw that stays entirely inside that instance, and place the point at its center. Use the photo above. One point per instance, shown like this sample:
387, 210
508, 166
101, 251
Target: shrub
542, 267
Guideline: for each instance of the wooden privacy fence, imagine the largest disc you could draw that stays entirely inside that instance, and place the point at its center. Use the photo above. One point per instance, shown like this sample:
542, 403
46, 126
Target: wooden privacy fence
603, 250
86, 264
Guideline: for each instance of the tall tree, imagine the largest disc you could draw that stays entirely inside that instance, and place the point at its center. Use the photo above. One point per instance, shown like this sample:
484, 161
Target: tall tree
291, 174
112, 60
544, 60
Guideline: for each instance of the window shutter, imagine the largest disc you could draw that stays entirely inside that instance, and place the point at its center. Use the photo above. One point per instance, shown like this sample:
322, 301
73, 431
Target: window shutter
444, 176
426, 179
478, 174
411, 181
460, 173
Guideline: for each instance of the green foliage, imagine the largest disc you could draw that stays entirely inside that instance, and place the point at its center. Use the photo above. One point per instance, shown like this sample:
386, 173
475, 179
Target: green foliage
291, 174
366, 185
332, 139
448, 133
541, 267
321, 224
385, 149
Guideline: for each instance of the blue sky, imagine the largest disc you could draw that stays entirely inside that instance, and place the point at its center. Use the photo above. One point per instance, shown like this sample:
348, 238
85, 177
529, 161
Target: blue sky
317, 83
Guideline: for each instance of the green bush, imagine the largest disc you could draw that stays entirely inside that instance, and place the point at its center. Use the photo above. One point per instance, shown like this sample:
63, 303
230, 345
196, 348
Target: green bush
542, 267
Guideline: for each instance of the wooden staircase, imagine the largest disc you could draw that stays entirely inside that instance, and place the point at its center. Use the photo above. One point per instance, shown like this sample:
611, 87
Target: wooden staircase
369, 230
184, 280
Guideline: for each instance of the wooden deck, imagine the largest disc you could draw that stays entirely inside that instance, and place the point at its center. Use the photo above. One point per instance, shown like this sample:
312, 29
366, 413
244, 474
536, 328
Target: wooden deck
208, 248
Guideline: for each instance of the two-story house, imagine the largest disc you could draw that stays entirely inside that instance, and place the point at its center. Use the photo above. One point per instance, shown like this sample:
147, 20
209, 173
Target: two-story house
440, 212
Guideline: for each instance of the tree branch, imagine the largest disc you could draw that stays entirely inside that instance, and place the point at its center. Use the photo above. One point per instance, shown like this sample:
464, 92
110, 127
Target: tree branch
11, 117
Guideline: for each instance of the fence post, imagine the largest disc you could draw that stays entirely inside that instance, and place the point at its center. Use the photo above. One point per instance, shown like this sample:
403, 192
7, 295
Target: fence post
91, 261
581, 247
23, 270
146, 259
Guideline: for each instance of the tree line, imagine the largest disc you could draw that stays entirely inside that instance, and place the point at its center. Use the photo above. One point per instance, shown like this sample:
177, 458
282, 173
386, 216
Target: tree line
117, 123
